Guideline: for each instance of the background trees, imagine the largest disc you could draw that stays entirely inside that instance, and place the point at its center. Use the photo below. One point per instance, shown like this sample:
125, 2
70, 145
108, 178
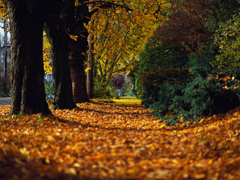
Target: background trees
120, 33
178, 73
227, 38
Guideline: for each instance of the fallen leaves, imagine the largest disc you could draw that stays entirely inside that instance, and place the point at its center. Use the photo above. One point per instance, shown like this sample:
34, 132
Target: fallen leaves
109, 141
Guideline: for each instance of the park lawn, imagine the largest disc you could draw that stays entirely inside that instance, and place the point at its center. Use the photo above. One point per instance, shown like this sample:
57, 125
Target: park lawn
102, 140
121, 100
127, 100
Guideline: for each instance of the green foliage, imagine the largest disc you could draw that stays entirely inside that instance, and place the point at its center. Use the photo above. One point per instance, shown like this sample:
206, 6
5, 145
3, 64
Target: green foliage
100, 91
176, 93
156, 58
5, 86
49, 91
227, 38
178, 81
192, 95
162, 54
220, 12
204, 59
130, 93
40, 118
137, 87
20, 115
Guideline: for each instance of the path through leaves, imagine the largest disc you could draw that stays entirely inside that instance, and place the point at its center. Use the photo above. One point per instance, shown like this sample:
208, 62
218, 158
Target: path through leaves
109, 141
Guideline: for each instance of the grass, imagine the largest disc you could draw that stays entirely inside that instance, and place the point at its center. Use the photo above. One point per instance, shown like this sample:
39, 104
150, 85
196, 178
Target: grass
127, 100
121, 100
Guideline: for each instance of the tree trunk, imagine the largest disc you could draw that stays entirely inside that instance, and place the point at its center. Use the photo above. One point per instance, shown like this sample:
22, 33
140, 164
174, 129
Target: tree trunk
77, 51
90, 60
76, 59
26, 19
5, 50
56, 28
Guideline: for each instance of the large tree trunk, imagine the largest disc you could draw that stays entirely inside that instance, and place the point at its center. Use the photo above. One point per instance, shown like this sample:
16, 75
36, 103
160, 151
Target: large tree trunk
76, 59
56, 28
26, 19
77, 51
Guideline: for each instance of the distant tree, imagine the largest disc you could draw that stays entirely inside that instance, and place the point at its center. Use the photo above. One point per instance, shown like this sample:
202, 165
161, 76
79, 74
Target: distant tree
118, 80
186, 27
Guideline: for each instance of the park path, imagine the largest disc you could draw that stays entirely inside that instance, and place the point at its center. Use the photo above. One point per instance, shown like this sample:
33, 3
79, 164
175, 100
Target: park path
114, 141
5, 100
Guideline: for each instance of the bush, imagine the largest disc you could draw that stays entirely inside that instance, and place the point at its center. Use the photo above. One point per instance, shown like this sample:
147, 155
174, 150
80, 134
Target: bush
183, 88
5, 86
49, 91
100, 91
157, 59
191, 95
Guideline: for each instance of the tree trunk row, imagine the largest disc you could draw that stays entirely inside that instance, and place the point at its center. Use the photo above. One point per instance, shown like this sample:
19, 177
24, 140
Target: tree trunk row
27, 19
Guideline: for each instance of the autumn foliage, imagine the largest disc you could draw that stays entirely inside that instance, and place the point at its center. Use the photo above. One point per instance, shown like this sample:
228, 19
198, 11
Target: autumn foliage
112, 141
186, 25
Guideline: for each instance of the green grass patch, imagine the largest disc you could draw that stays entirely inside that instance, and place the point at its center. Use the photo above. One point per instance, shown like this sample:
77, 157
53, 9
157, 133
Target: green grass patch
127, 100
121, 100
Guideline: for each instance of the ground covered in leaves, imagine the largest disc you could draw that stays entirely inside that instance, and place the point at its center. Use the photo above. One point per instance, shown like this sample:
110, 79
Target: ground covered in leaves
112, 141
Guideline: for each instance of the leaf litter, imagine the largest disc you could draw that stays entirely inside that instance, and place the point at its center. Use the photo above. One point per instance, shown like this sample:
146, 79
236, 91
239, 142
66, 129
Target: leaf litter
113, 141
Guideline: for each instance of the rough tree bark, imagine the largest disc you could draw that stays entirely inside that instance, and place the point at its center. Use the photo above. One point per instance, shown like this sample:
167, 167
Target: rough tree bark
77, 49
56, 28
76, 59
26, 19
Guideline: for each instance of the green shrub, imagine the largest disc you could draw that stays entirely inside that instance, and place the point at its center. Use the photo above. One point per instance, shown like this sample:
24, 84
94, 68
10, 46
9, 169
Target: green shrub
100, 91
227, 37
191, 97
49, 91
5, 86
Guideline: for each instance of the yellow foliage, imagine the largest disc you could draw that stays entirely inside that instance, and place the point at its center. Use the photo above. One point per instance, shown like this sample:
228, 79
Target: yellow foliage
121, 33
73, 37
46, 55
87, 69
3, 11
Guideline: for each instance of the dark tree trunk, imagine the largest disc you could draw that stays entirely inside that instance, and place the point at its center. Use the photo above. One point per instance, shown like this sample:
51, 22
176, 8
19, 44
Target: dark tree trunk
76, 59
5, 50
77, 51
56, 28
26, 19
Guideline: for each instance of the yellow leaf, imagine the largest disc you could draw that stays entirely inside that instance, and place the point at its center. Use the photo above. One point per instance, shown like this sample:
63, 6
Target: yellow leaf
130, 171
70, 171
47, 160
199, 176
73, 37
50, 138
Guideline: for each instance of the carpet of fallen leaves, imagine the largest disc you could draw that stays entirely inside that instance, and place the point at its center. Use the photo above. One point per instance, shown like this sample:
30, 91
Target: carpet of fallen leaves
110, 141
